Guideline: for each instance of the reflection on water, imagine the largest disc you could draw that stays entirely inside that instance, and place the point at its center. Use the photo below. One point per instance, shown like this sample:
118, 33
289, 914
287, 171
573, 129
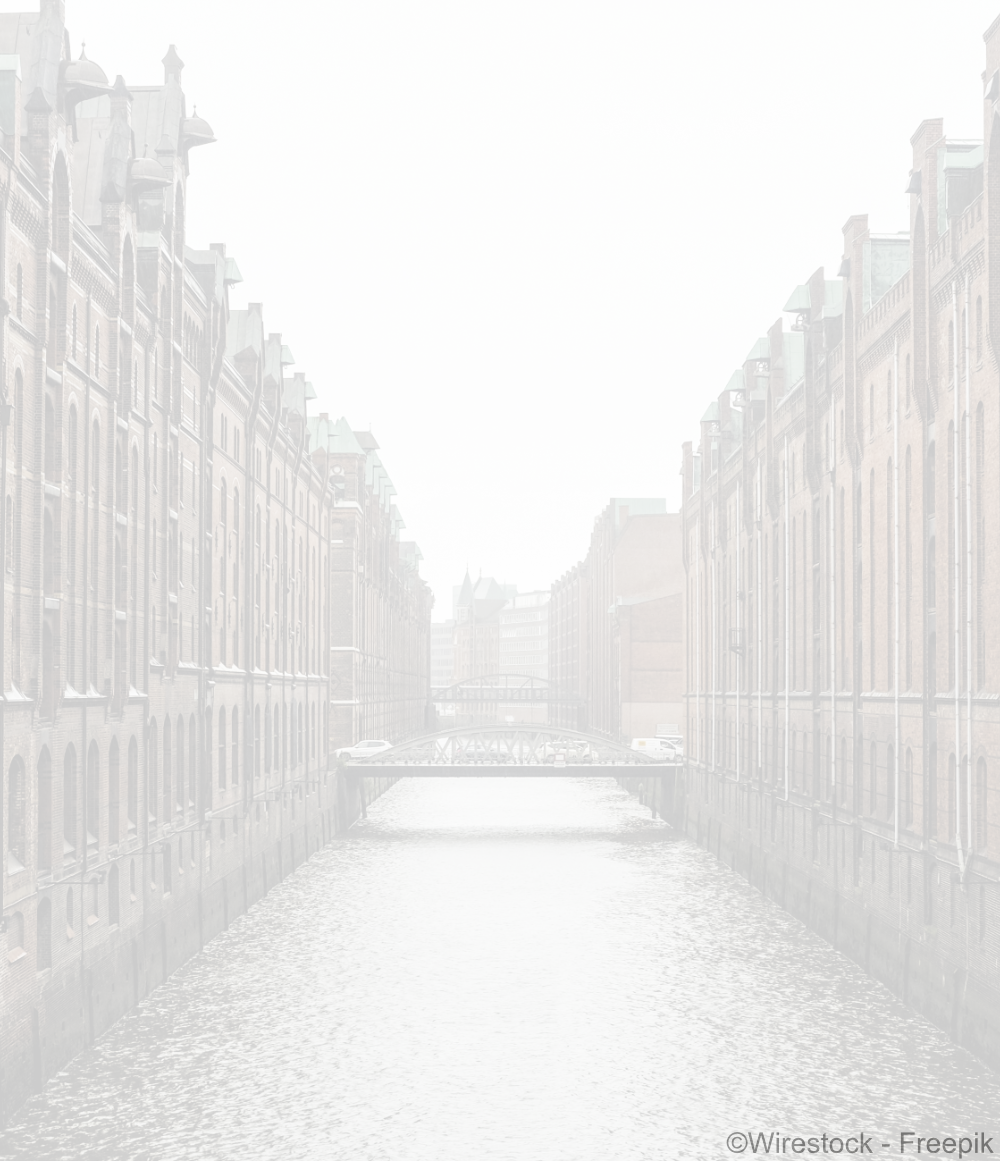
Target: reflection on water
504, 969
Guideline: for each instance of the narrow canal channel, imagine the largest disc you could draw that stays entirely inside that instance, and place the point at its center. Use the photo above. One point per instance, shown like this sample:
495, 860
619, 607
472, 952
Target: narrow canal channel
505, 969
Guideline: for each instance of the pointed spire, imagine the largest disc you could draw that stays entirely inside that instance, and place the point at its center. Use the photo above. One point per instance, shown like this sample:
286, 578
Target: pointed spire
172, 65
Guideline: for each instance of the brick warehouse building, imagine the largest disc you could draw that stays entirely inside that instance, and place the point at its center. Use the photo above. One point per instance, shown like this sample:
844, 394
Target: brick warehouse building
204, 588
616, 625
841, 524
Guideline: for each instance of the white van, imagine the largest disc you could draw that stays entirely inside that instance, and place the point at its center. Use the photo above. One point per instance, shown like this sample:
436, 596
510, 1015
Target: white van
661, 747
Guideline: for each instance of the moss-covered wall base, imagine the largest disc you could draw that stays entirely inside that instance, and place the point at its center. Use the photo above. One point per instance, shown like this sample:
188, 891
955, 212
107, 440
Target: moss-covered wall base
60, 1011
901, 914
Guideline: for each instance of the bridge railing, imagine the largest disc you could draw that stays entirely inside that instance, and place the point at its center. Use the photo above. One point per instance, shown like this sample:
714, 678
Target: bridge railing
513, 745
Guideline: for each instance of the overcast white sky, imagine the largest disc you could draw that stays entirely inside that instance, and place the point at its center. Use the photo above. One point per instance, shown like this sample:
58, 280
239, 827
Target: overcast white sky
529, 242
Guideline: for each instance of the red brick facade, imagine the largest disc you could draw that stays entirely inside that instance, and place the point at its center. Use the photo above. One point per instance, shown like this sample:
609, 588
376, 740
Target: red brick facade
616, 625
204, 591
840, 533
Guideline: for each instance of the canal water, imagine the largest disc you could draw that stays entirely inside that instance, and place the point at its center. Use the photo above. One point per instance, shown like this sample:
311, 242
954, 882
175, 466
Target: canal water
523, 969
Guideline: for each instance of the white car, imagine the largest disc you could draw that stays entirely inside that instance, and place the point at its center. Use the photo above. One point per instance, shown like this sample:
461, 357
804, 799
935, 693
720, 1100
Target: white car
676, 741
363, 749
661, 747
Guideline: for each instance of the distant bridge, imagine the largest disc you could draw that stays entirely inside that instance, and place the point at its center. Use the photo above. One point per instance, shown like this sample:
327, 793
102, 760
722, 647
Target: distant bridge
516, 750
502, 688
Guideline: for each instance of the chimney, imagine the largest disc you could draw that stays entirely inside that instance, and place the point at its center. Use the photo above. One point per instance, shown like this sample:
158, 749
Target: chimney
10, 105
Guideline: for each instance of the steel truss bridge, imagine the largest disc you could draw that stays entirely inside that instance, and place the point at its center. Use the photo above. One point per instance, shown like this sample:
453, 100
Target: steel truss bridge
515, 750
505, 688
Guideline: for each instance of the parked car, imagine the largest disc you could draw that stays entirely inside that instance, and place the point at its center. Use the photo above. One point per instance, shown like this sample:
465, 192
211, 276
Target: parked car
659, 747
676, 741
364, 749
472, 751
573, 752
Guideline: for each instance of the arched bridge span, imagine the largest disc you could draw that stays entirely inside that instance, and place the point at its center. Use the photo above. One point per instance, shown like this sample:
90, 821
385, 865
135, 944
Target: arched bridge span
518, 750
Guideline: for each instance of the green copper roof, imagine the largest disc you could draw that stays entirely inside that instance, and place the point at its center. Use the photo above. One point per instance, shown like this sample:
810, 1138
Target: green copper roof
800, 300
793, 349
319, 428
760, 350
641, 505
885, 260
272, 360
961, 160
244, 331
833, 305
342, 441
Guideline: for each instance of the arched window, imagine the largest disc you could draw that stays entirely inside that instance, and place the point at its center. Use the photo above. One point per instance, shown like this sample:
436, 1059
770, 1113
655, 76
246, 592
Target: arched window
981, 806
114, 895
952, 799
267, 742
873, 779
979, 329
236, 745
43, 785
95, 461
256, 742
192, 761
179, 782
908, 789
152, 774
890, 783
951, 353
222, 749
167, 771
69, 804
114, 794
132, 800
16, 817
43, 936
92, 802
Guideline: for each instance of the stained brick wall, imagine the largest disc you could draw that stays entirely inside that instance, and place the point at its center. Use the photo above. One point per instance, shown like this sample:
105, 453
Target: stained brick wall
840, 539
196, 611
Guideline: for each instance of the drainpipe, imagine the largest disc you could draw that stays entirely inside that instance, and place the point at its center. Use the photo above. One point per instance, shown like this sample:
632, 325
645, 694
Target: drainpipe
760, 638
957, 641
833, 605
895, 583
715, 644
739, 629
787, 627
968, 567
700, 641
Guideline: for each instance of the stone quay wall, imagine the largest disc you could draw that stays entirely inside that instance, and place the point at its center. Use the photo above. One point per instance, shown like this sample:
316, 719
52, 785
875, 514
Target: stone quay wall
865, 898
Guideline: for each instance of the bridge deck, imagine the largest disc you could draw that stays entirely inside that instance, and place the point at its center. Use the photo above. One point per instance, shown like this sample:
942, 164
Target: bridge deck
512, 770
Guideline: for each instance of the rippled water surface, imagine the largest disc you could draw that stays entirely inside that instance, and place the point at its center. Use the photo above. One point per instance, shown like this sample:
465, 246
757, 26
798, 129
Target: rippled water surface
504, 969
